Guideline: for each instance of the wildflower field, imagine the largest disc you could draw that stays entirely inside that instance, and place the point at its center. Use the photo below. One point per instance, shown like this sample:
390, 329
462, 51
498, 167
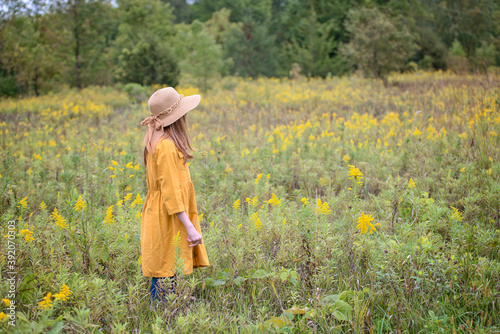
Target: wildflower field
326, 206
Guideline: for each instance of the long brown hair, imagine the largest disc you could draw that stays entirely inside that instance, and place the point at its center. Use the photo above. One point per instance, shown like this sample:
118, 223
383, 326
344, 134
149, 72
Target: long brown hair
178, 133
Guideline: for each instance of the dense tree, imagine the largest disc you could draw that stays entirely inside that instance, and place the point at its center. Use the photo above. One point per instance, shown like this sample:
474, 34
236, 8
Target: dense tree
87, 28
143, 48
201, 58
48, 43
27, 46
377, 46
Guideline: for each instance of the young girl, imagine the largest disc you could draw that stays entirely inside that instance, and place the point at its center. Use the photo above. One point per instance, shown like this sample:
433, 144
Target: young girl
170, 205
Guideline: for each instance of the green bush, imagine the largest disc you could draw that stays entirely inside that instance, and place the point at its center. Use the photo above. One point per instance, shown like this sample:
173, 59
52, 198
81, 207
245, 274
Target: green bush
136, 93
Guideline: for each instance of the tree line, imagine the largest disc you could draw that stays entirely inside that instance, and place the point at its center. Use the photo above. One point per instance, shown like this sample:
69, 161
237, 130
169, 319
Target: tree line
45, 45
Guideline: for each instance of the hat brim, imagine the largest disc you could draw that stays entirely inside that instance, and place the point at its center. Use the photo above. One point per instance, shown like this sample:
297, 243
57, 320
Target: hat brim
187, 103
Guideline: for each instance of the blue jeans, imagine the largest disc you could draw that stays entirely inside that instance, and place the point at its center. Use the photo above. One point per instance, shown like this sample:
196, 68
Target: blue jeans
158, 293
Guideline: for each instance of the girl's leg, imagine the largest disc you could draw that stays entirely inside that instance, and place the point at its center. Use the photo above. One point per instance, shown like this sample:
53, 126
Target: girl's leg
158, 292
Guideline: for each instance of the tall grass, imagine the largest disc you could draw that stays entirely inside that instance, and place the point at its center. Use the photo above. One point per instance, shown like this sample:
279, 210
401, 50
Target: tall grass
281, 214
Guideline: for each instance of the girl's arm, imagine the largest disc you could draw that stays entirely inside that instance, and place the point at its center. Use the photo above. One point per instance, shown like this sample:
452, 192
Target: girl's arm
194, 237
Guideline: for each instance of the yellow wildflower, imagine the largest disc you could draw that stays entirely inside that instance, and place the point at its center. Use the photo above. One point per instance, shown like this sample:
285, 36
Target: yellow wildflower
346, 158
46, 303
364, 223
456, 215
59, 220
322, 208
63, 294
304, 200
411, 184
114, 162
354, 173
258, 224
258, 178
6, 301
127, 197
23, 203
109, 215
236, 204
43, 206
27, 235
274, 200
2, 316
253, 202
137, 201
80, 204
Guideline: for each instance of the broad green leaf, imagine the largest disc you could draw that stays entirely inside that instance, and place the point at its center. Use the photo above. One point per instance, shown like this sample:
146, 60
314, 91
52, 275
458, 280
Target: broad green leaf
239, 280
297, 310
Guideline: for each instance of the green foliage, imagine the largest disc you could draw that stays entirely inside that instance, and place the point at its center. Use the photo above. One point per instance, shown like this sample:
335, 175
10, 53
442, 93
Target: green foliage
485, 56
135, 92
49, 45
377, 46
457, 60
143, 45
8, 87
201, 57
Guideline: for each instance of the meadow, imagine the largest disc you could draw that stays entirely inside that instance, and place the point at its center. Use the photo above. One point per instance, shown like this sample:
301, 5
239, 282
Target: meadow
327, 206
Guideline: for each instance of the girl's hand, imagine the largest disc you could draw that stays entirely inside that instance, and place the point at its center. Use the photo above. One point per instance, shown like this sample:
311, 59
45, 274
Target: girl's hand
194, 237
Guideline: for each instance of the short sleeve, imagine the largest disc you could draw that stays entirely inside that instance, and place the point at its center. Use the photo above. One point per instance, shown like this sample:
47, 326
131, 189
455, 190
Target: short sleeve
168, 175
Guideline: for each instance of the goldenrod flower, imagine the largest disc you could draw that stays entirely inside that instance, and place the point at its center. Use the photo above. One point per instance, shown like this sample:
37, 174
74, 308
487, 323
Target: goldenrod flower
236, 204
27, 235
80, 204
253, 202
274, 200
43, 206
63, 294
354, 173
109, 215
2, 316
114, 162
46, 303
258, 178
304, 200
59, 220
23, 203
411, 184
346, 158
127, 197
364, 223
6, 301
322, 208
258, 224
456, 215
137, 201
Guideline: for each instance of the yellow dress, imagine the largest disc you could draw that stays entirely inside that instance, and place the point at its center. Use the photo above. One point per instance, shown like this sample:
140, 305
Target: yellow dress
170, 191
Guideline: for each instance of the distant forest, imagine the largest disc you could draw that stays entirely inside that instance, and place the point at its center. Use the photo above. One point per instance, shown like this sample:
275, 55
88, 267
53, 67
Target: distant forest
46, 45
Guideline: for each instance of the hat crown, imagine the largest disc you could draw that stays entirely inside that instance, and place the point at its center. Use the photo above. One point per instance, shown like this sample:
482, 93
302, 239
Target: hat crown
162, 99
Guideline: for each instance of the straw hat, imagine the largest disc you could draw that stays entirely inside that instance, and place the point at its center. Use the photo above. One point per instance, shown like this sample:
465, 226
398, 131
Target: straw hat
165, 106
